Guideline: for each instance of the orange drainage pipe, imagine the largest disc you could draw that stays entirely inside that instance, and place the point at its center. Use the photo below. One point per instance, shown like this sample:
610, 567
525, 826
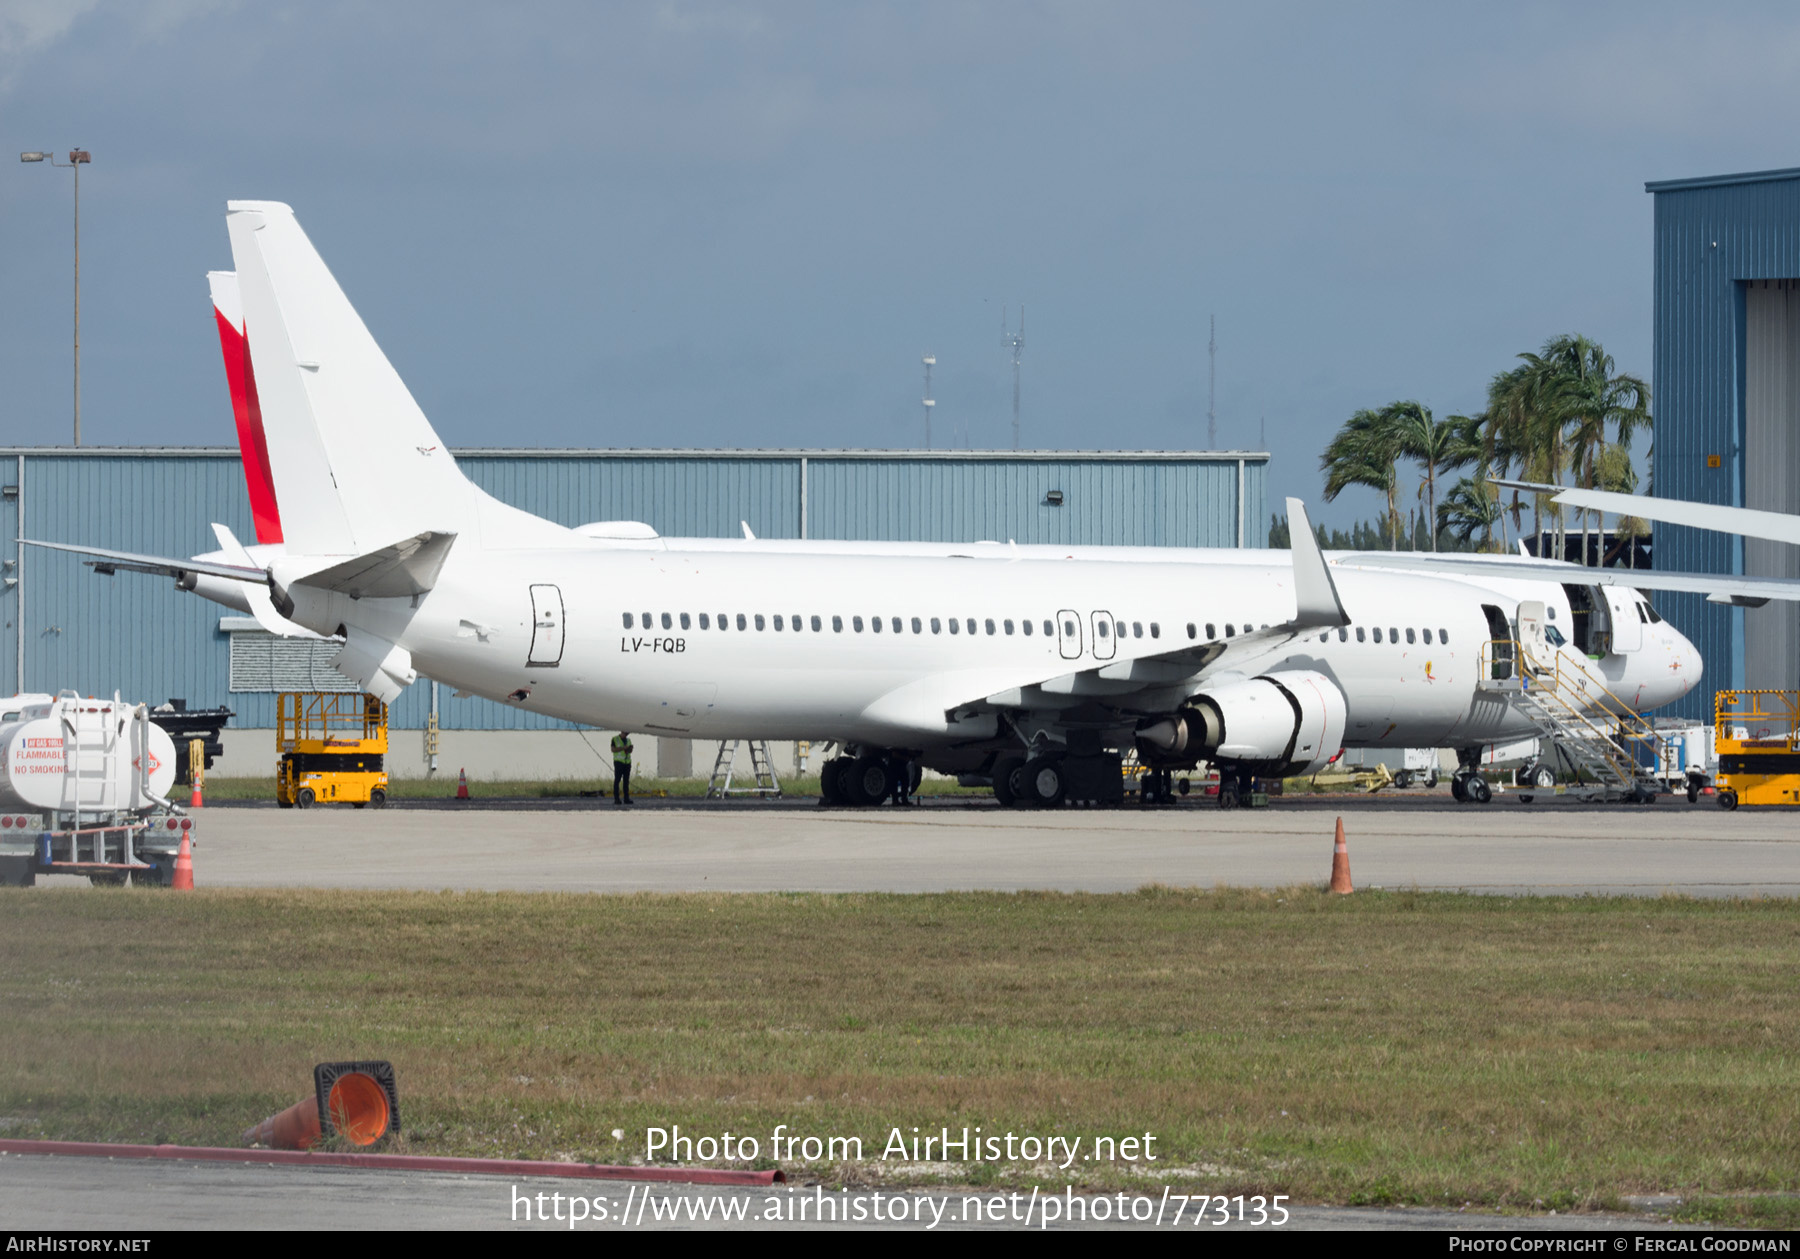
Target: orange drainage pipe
400, 1162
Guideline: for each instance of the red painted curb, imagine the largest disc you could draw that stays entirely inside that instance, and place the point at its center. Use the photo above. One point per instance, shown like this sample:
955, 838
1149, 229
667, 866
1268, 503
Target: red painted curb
398, 1162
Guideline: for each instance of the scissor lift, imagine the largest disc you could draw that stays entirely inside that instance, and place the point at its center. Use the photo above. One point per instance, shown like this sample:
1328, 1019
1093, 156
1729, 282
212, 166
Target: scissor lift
333, 749
1757, 735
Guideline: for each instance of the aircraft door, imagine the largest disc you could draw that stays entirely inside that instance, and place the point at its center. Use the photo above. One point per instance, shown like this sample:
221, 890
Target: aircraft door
1500, 644
546, 627
1531, 635
1102, 628
1068, 633
1627, 624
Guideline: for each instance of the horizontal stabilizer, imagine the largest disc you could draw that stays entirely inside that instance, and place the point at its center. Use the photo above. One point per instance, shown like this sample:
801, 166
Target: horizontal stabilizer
258, 599
406, 568
129, 561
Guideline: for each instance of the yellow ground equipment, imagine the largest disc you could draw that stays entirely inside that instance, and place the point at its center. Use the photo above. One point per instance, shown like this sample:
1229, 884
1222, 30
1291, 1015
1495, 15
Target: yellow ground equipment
1757, 735
333, 749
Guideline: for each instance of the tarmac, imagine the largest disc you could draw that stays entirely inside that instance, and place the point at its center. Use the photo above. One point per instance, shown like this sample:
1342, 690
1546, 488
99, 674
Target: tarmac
90, 1195
1423, 841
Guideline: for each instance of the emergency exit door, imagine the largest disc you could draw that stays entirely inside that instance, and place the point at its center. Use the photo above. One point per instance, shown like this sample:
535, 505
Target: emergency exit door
1068, 633
546, 627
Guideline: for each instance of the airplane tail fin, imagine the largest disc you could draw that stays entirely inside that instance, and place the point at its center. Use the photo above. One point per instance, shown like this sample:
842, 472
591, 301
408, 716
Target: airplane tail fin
228, 313
354, 463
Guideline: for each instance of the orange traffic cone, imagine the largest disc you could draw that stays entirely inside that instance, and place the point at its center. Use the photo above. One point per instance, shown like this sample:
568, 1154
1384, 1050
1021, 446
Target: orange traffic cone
184, 867
196, 802
1340, 864
354, 1101
296, 1128
462, 784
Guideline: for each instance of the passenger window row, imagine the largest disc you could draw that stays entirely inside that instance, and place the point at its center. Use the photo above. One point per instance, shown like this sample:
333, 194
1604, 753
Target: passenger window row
874, 624
1393, 635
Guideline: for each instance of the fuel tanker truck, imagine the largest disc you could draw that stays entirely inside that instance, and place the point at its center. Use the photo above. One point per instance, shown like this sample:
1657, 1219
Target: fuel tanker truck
82, 791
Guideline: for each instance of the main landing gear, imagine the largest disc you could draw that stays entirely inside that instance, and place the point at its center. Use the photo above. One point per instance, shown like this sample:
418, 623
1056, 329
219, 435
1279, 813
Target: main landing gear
1047, 779
860, 782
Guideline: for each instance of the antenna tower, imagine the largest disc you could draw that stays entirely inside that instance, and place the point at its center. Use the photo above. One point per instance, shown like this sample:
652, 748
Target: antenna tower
930, 361
1212, 376
1014, 341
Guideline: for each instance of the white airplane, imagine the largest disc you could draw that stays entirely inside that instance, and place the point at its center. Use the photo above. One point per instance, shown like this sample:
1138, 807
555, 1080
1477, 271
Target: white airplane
1035, 667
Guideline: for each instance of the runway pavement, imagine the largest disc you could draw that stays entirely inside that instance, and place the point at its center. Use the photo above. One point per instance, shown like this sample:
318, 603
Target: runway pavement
90, 1195
674, 846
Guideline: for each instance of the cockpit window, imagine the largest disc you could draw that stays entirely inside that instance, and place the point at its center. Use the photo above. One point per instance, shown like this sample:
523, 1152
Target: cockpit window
1554, 636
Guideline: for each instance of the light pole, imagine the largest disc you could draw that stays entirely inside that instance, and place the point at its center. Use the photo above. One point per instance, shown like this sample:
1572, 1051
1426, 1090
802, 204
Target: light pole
77, 157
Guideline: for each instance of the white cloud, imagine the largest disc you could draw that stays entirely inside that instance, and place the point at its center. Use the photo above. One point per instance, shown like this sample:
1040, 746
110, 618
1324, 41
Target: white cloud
30, 27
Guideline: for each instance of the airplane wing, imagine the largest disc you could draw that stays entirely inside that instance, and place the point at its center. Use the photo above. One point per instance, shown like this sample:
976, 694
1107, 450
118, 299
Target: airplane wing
1149, 683
1773, 525
1742, 591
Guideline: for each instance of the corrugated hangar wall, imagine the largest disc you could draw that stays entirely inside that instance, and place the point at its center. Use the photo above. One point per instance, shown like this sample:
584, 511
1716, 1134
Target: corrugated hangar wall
1727, 407
67, 628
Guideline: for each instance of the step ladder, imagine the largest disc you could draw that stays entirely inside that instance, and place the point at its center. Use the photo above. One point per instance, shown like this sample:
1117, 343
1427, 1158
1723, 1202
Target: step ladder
1591, 730
725, 765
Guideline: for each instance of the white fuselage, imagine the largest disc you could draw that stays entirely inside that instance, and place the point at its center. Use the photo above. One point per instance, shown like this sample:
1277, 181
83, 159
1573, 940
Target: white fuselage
744, 642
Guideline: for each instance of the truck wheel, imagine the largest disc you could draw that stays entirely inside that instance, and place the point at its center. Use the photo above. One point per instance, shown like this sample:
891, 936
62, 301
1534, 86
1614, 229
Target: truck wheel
378, 798
1728, 800
1403, 779
1693, 793
303, 798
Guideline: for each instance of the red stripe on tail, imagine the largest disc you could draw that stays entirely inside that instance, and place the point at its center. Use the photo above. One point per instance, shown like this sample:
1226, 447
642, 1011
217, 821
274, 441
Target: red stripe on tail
252, 444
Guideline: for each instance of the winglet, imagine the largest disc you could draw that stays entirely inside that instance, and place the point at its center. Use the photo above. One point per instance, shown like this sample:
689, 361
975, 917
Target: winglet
1316, 599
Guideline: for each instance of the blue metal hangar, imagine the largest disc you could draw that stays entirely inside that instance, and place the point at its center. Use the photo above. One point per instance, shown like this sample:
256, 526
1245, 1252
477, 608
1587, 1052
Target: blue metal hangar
64, 627
1727, 407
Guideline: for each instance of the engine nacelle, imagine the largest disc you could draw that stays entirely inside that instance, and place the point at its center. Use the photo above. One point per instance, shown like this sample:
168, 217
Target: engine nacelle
1287, 722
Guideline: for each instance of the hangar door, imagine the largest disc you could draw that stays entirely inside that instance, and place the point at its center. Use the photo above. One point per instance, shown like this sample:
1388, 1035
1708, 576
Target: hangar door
1772, 472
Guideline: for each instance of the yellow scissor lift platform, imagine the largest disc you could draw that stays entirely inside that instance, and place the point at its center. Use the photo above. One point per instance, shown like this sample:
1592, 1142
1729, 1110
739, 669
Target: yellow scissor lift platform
1757, 738
333, 749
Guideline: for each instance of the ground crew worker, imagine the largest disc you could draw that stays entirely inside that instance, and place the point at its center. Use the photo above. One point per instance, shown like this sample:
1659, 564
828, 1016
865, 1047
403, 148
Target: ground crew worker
900, 774
621, 750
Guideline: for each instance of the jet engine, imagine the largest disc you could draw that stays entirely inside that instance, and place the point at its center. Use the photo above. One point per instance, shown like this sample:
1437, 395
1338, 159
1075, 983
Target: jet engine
1287, 722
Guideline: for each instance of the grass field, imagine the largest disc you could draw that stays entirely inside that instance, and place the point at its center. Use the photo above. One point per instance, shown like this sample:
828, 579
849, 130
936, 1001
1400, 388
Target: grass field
1381, 1048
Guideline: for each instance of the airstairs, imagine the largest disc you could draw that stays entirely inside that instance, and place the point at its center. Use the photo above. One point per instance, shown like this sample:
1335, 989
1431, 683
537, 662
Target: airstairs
718, 787
1601, 738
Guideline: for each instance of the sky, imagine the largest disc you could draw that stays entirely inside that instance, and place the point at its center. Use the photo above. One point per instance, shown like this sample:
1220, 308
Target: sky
704, 225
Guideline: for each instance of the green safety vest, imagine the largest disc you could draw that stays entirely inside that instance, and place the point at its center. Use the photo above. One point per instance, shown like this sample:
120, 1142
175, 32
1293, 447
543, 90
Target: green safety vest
621, 749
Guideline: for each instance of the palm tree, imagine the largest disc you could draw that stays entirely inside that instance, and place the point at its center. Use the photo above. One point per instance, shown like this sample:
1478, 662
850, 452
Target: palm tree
1584, 397
1366, 451
1522, 417
1469, 507
1437, 445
